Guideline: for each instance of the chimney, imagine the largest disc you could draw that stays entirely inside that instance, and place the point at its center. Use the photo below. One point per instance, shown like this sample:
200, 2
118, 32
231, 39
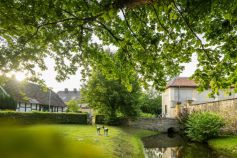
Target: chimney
66, 90
75, 90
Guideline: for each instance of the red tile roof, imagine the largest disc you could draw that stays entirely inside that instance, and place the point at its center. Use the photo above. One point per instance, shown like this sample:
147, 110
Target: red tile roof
181, 82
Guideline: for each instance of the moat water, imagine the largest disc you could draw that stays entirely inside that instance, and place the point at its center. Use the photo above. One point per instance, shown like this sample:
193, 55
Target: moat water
175, 146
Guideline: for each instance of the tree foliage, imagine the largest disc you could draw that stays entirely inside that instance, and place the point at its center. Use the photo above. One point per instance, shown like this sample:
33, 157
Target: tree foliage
150, 104
73, 106
152, 38
110, 97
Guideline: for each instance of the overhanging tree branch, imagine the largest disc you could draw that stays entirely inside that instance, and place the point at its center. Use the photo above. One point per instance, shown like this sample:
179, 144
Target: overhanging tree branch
129, 27
192, 31
109, 31
74, 18
158, 19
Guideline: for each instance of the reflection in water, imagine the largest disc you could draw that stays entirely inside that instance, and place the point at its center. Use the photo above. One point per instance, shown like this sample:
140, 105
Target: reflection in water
162, 152
164, 146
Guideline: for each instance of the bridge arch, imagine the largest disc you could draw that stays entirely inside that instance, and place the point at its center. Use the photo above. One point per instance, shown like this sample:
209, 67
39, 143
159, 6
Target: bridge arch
163, 125
171, 130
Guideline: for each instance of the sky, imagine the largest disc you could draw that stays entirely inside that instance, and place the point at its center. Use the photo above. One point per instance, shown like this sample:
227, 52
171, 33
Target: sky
74, 81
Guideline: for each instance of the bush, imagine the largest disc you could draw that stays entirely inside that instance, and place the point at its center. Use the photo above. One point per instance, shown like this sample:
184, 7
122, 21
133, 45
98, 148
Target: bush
7, 103
43, 117
150, 104
73, 106
202, 126
147, 115
102, 119
99, 119
116, 121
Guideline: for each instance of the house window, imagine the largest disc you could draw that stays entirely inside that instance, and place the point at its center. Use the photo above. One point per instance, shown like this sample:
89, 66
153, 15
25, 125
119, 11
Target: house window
33, 106
165, 109
45, 108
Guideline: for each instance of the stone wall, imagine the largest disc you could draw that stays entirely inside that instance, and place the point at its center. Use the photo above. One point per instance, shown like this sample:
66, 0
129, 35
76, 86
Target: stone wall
156, 124
226, 108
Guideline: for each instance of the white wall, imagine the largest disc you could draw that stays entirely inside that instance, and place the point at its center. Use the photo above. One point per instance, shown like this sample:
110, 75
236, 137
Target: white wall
181, 95
165, 100
202, 97
28, 108
173, 95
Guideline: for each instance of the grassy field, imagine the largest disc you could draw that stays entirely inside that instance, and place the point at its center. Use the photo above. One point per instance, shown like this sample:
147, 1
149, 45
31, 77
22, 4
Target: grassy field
71, 141
227, 145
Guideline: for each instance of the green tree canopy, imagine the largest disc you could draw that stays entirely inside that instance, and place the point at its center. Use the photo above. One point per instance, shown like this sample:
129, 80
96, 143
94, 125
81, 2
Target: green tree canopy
150, 103
73, 106
152, 38
110, 97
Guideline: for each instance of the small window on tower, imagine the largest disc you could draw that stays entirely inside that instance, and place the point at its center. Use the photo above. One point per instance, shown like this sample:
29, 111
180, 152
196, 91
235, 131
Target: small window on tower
165, 109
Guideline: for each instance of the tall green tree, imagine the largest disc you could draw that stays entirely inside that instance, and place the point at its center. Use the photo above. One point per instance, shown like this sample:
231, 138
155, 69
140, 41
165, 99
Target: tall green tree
150, 104
110, 97
152, 38
73, 105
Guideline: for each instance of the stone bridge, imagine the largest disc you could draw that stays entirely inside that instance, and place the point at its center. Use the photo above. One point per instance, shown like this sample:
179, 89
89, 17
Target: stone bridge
163, 125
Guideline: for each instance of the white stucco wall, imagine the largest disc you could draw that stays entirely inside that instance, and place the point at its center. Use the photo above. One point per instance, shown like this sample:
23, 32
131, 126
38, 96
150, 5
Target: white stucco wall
181, 95
35, 107
166, 101
173, 95
202, 97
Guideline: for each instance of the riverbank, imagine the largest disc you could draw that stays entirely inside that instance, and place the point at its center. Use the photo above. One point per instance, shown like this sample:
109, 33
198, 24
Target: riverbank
59, 141
227, 145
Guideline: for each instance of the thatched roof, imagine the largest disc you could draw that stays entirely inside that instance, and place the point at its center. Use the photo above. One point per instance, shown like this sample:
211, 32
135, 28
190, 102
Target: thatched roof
32, 93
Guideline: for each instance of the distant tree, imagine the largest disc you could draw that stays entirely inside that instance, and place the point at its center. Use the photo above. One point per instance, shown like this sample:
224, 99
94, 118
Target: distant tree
150, 104
7, 103
73, 106
110, 97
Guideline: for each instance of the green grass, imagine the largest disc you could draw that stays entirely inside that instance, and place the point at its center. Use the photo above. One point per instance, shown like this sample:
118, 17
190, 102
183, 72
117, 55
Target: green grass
226, 145
49, 141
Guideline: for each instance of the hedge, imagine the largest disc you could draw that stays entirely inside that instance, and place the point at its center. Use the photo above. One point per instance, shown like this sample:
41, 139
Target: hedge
102, 119
7, 103
42, 117
99, 119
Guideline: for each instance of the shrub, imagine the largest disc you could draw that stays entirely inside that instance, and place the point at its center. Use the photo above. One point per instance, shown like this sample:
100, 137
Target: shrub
102, 119
147, 115
202, 126
73, 106
7, 103
150, 104
116, 121
99, 119
43, 117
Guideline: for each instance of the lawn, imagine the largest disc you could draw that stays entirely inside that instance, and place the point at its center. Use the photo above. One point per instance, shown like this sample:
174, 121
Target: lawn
226, 144
71, 141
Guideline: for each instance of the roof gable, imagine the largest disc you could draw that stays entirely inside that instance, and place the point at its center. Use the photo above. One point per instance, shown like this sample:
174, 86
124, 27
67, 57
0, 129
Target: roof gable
181, 82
